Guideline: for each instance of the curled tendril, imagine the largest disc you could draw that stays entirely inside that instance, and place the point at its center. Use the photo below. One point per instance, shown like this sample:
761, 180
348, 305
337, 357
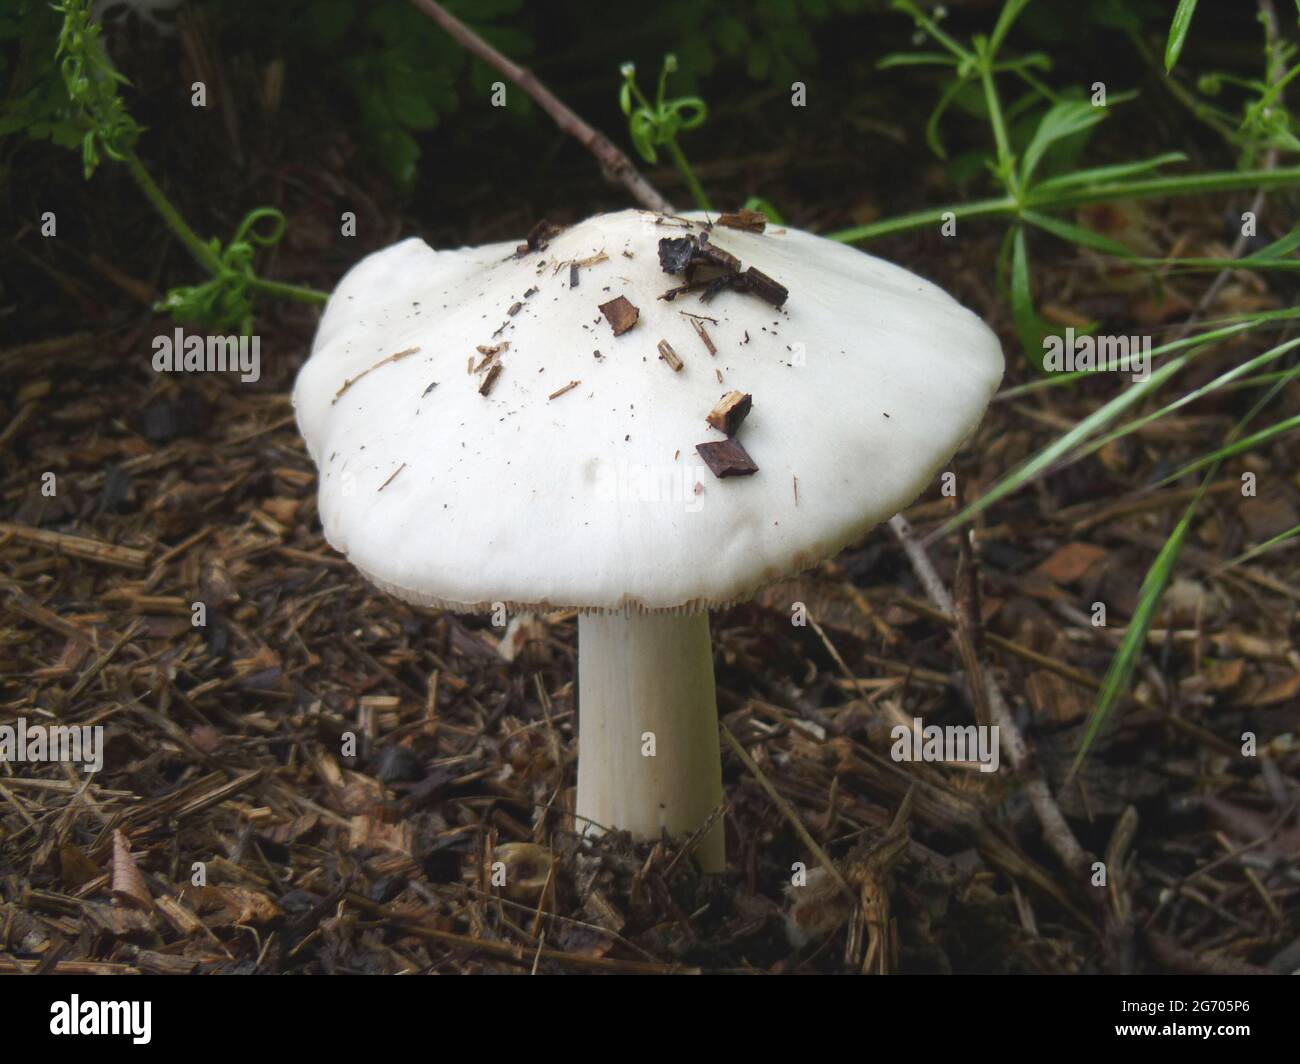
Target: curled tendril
92, 82
227, 299
657, 124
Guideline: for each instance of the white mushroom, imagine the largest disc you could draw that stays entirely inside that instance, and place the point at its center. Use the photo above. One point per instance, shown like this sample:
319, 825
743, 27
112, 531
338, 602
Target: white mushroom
543, 493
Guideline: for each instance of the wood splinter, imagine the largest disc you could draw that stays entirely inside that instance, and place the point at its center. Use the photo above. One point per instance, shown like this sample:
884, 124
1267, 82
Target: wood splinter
670, 356
391, 478
730, 411
383, 362
703, 335
490, 379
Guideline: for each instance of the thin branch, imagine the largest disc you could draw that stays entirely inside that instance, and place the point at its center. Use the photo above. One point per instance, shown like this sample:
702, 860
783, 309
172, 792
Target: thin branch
1055, 829
822, 856
616, 166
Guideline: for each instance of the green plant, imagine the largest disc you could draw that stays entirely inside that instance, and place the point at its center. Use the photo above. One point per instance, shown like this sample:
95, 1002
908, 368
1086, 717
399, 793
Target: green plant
770, 42
656, 125
1178, 28
1265, 124
109, 132
1026, 202
35, 101
402, 73
1029, 198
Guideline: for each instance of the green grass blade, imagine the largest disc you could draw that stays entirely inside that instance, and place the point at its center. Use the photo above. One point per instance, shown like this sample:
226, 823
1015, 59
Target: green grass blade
1228, 450
1178, 32
1120, 672
1076, 234
1058, 448
1280, 247
1153, 588
1199, 265
1101, 174
1218, 329
1267, 545
1196, 393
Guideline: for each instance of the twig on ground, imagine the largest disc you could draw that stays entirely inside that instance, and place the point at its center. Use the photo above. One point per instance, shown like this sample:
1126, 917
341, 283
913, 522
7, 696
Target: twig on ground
616, 165
822, 856
1174, 958
1056, 831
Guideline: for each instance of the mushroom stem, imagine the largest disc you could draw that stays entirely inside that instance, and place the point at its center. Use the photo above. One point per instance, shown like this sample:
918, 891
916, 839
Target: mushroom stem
648, 740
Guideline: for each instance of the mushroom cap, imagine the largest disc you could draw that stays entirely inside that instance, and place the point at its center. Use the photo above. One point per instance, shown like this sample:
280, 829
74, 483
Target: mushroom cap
864, 384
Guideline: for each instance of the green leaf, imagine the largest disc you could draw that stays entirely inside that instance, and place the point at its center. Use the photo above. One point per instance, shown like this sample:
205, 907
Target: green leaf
1096, 175
1061, 120
1115, 15
1076, 234
400, 153
698, 59
1029, 326
1178, 32
905, 59
1032, 467
1120, 672
642, 130
1267, 545
778, 11
1223, 379
1283, 246
932, 124
1153, 588
757, 203
1281, 428
1010, 12
327, 21
409, 93
731, 35
487, 10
